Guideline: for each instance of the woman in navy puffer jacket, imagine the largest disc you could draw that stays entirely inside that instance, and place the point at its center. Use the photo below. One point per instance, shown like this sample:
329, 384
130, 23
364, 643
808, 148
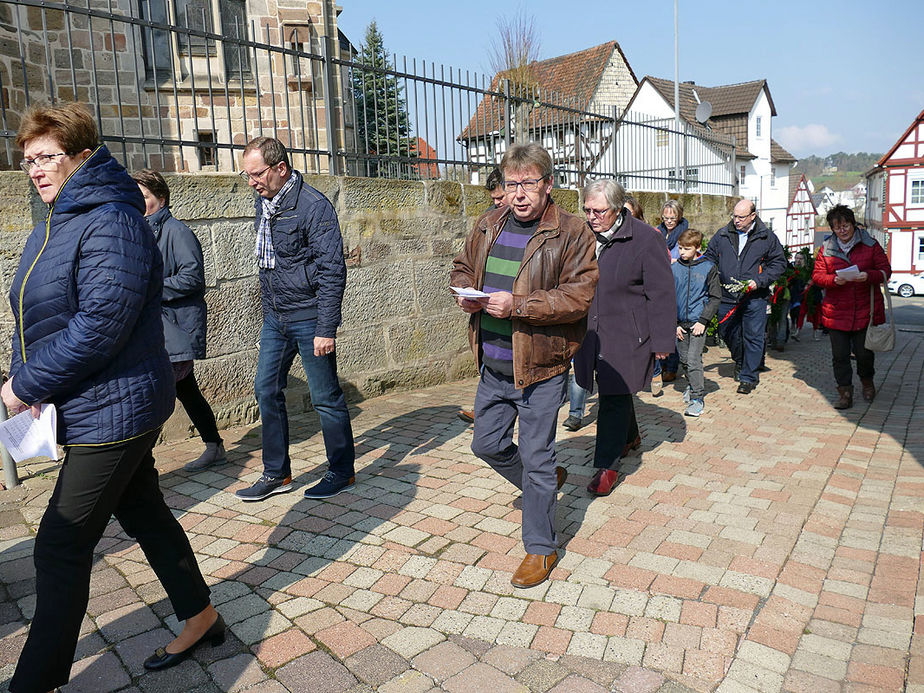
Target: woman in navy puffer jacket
88, 338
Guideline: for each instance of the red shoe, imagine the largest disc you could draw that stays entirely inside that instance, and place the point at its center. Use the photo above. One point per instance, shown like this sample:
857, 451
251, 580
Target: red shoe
604, 481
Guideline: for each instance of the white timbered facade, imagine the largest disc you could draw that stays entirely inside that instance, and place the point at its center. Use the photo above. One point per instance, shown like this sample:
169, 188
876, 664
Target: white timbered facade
800, 218
895, 200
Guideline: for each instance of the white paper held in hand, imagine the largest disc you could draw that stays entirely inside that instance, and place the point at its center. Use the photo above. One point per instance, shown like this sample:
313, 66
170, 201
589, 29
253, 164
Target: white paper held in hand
470, 293
25, 437
848, 273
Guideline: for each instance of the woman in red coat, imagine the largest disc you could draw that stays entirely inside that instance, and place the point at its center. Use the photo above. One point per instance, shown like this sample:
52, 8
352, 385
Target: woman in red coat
845, 310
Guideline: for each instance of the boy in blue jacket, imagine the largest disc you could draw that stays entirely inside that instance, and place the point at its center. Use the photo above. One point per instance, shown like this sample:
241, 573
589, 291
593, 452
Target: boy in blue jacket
699, 293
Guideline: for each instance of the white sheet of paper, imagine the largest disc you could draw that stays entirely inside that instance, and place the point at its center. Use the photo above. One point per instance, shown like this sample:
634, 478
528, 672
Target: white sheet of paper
851, 272
468, 292
25, 437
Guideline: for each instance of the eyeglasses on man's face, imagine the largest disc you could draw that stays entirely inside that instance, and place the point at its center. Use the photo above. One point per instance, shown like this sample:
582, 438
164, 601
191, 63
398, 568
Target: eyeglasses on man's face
247, 177
44, 161
596, 212
528, 185
740, 217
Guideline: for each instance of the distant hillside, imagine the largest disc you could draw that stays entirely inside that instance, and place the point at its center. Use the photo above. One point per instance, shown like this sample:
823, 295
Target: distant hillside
850, 168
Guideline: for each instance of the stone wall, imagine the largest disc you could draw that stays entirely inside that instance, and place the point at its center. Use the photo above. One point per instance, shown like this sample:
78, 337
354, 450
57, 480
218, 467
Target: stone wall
401, 328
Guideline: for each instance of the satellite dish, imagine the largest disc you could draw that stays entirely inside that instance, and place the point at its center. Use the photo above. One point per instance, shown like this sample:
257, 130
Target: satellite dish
703, 111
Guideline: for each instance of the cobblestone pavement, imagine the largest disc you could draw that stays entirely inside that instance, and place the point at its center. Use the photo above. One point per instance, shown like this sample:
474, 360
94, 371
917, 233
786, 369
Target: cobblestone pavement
772, 544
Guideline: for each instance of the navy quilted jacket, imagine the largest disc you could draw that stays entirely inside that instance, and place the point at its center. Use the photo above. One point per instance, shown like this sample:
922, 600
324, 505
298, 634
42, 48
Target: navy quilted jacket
310, 275
86, 302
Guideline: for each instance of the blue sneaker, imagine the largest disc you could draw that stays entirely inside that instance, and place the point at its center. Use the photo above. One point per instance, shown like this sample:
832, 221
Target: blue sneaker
695, 408
330, 485
265, 487
687, 394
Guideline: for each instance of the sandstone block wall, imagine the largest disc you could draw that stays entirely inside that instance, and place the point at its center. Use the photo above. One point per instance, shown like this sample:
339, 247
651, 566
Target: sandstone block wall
400, 329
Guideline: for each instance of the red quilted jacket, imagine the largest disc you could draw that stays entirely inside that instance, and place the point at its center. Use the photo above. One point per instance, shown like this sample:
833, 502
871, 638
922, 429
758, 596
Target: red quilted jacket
846, 307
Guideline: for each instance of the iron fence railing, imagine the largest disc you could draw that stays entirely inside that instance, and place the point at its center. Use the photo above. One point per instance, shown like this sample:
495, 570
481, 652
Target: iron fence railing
177, 88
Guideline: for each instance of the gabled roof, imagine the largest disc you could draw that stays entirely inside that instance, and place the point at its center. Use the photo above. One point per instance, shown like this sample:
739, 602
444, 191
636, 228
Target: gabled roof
729, 99
801, 183
898, 143
731, 104
571, 79
778, 155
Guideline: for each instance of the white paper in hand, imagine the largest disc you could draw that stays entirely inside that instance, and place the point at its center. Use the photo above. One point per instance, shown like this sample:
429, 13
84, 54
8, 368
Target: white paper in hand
25, 437
848, 273
470, 293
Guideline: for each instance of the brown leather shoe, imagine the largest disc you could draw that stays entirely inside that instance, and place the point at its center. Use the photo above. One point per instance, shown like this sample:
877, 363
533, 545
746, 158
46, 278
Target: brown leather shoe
562, 475
534, 570
845, 395
604, 481
466, 415
634, 445
869, 389
668, 376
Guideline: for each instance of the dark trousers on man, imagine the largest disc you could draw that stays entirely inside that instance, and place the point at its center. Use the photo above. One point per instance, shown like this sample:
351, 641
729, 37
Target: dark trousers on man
95, 483
530, 463
616, 427
842, 343
744, 334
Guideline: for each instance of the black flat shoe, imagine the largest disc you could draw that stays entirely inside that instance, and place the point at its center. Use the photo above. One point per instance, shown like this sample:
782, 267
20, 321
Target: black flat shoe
161, 659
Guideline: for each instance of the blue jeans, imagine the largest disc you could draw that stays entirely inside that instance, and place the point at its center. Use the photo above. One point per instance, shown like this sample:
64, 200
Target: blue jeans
670, 364
744, 334
577, 398
279, 342
528, 464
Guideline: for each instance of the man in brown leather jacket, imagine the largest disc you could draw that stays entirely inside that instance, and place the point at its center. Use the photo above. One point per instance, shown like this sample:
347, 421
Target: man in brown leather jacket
538, 264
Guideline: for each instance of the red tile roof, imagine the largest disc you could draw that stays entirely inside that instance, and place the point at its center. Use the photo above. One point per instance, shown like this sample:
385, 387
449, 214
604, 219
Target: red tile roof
729, 103
570, 80
779, 155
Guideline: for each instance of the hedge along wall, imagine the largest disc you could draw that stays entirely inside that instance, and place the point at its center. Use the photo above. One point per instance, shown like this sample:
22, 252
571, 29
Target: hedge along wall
401, 328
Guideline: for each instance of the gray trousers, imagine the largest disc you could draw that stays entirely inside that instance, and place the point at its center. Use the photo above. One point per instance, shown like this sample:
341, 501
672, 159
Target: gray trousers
690, 351
530, 464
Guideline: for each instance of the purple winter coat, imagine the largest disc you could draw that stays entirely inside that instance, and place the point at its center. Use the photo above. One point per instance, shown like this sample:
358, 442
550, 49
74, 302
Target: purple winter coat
634, 312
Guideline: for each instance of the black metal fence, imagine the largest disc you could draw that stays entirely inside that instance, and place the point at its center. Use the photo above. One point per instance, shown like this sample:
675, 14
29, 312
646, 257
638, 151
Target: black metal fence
180, 85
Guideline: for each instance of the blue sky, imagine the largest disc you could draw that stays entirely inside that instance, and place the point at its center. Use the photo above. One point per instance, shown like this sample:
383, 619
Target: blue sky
845, 75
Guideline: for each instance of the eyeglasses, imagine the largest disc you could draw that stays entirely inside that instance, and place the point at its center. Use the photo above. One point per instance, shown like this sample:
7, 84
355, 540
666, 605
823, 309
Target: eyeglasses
529, 185
254, 176
739, 217
596, 212
43, 161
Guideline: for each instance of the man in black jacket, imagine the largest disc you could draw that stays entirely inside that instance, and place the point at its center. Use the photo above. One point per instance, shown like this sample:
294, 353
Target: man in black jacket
302, 278
745, 251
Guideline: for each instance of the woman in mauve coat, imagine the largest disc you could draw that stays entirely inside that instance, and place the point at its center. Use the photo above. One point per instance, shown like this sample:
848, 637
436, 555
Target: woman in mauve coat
845, 308
632, 321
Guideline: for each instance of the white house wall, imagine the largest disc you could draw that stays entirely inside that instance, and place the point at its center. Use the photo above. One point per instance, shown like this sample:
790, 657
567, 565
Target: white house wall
901, 251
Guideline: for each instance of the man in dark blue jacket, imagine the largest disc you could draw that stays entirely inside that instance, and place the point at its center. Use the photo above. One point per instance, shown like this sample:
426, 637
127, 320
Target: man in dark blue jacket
745, 251
302, 277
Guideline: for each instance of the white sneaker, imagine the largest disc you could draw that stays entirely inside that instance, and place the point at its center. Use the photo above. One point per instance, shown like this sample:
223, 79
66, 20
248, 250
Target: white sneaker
687, 394
656, 386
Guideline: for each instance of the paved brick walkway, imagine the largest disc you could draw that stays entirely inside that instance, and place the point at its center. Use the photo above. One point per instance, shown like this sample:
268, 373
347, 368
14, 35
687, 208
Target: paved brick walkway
772, 544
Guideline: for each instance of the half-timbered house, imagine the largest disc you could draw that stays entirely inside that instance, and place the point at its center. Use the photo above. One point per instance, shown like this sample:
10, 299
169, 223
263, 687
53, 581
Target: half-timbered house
895, 200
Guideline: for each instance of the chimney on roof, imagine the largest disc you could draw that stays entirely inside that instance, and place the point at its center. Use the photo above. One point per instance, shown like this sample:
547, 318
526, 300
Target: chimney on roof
689, 81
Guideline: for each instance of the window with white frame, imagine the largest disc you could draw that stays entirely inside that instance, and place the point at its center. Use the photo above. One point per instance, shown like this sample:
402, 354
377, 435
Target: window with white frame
743, 174
757, 126
916, 193
920, 249
773, 176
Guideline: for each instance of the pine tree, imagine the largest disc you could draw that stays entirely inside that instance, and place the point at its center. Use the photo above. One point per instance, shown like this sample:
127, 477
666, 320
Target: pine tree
382, 125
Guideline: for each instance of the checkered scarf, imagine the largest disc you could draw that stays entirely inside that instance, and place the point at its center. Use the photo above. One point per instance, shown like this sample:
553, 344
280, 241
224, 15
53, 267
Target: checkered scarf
264, 248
